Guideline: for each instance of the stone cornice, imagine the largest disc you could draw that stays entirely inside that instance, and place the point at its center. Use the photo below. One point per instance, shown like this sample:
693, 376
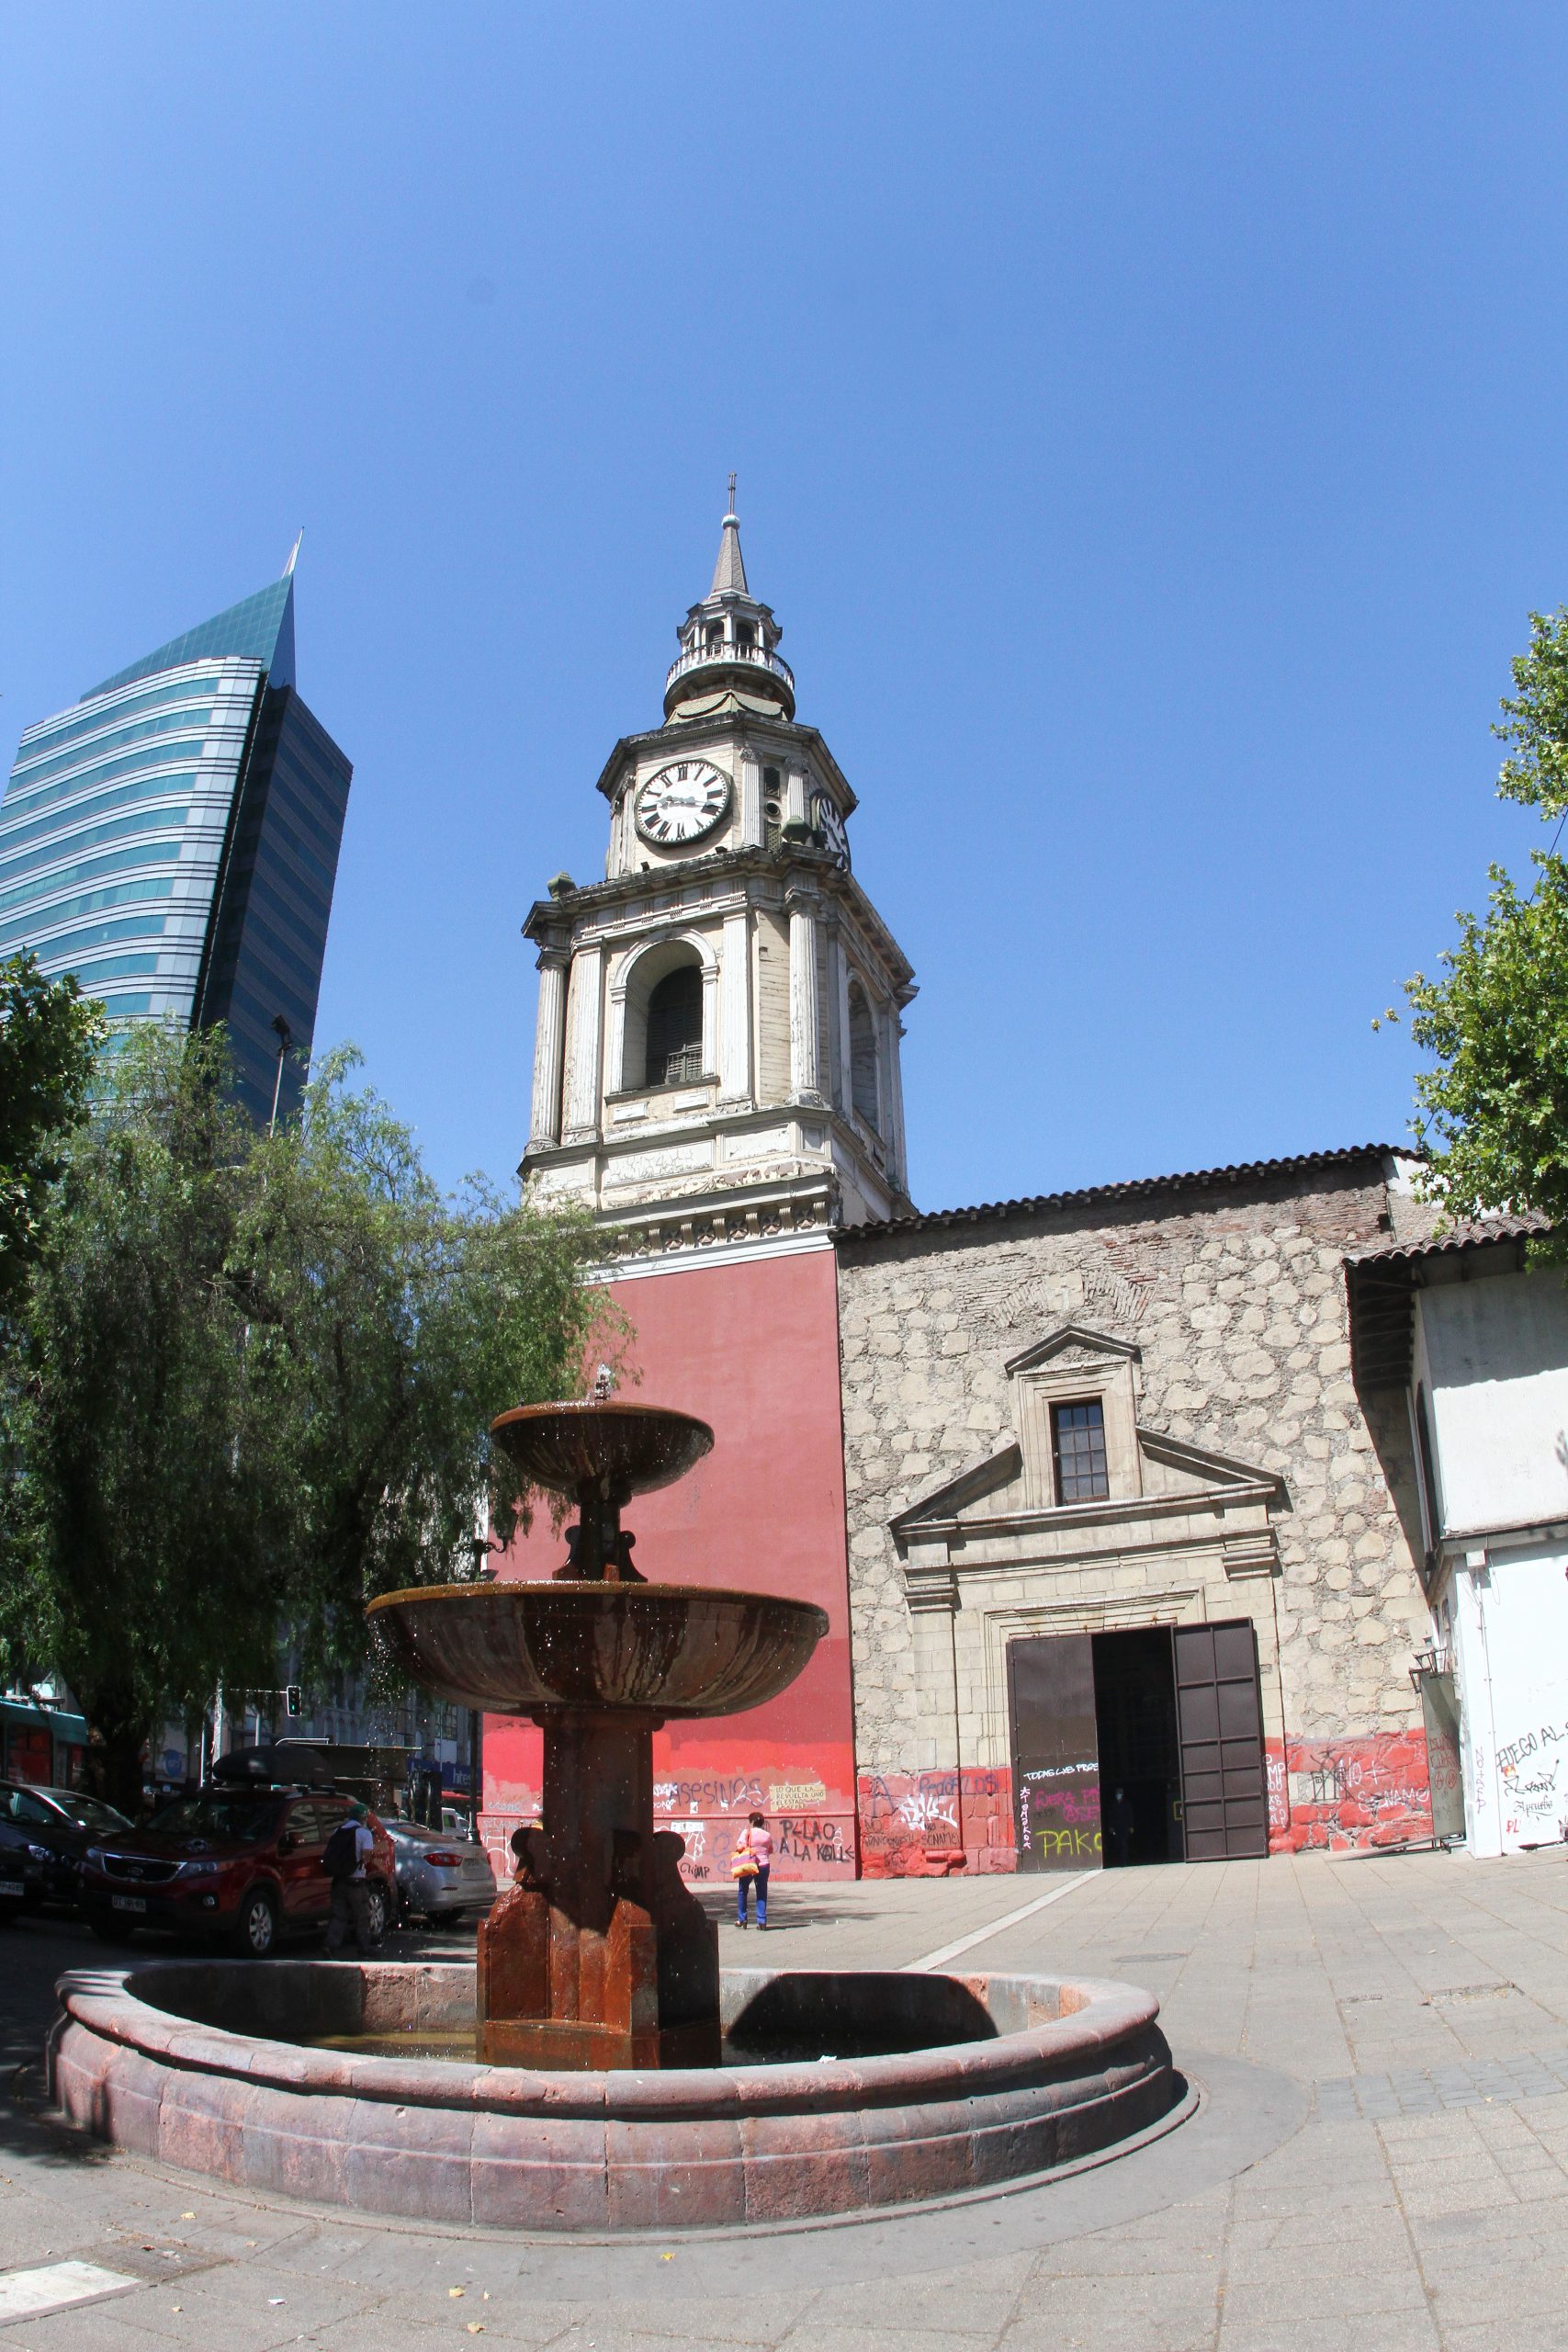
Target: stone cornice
551, 922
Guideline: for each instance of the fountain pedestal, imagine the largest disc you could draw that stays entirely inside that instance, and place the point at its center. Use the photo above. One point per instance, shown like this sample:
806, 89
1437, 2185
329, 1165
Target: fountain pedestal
599, 1957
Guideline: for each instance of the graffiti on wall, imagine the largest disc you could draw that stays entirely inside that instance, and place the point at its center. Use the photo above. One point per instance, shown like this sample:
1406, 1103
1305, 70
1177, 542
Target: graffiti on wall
1533, 1786
913, 1825
1340, 1793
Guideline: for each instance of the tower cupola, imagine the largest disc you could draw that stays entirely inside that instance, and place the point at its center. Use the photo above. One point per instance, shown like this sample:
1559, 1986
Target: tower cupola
728, 659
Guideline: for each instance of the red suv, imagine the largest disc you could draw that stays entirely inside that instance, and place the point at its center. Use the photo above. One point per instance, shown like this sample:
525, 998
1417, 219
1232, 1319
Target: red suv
241, 1865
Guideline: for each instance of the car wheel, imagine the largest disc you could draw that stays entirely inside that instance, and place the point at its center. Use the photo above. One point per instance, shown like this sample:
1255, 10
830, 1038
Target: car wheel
378, 1910
256, 1924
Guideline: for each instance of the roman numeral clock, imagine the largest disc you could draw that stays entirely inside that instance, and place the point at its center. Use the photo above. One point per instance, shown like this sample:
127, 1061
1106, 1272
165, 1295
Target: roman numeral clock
683, 802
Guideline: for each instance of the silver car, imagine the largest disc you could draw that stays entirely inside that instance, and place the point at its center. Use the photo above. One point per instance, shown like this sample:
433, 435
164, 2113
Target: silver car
440, 1876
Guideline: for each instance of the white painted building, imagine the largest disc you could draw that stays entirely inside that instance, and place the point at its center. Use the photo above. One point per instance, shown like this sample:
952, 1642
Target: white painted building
1483, 1340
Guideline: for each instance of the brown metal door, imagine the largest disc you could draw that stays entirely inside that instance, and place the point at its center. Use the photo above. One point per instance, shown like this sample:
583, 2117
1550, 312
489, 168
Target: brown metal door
1056, 1753
1224, 1798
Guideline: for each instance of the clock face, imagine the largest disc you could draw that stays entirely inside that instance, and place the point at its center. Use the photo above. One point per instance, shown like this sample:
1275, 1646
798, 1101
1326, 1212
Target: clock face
832, 826
681, 802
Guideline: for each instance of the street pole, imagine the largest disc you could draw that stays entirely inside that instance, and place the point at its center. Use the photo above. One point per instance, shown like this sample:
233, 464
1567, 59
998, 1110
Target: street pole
285, 1039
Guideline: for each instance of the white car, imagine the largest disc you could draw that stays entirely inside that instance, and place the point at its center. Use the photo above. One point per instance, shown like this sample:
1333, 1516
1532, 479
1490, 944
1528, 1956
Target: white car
442, 1877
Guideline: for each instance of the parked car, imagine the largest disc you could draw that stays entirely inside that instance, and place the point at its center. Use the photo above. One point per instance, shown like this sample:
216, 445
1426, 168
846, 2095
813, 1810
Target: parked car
241, 1865
23, 1862
64, 1822
443, 1877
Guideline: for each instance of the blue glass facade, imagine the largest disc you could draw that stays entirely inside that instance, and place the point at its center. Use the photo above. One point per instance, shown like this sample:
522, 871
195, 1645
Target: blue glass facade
177, 829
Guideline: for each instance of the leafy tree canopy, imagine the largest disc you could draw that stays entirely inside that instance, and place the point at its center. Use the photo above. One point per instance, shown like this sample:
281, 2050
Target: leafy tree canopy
48, 1034
252, 1384
1494, 1107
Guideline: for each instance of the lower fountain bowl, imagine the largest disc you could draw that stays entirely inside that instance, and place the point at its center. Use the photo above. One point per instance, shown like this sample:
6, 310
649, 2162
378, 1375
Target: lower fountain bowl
207, 2066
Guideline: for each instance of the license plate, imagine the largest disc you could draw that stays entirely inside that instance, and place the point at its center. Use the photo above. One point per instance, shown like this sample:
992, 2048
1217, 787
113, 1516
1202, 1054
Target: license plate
128, 1902
12, 1886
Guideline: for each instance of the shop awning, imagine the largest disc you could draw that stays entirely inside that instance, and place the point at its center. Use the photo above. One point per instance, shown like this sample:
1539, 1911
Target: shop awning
71, 1729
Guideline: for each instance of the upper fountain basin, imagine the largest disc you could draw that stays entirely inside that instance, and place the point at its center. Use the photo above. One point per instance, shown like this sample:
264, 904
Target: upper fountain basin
627, 1449
666, 1648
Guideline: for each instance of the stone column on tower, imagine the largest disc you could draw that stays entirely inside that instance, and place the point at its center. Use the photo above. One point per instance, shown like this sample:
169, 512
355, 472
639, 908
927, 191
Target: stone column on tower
549, 1048
585, 1026
734, 1008
804, 1040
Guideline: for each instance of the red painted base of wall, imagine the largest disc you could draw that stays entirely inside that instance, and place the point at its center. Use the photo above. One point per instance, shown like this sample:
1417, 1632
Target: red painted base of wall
1331, 1796
1344, 1793
912, 1823
752, 1349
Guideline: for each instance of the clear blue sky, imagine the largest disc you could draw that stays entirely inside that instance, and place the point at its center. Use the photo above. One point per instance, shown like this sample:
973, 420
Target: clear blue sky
1151, 433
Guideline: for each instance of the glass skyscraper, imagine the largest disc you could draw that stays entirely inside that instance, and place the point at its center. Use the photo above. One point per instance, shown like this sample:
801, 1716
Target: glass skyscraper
172, 838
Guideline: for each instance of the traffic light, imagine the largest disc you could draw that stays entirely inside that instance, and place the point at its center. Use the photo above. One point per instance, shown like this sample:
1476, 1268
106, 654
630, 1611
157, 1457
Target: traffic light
293, 1700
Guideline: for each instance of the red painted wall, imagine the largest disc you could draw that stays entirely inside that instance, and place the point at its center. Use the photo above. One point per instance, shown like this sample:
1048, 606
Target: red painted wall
752, 1349
1342, 1793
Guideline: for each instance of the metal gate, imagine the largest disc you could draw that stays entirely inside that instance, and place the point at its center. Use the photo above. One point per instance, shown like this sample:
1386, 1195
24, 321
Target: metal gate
1055, 1752
1440, 1714
1225, 1790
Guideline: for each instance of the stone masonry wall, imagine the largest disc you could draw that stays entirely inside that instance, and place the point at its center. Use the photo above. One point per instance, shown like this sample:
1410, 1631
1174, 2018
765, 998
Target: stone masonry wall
1236, 1299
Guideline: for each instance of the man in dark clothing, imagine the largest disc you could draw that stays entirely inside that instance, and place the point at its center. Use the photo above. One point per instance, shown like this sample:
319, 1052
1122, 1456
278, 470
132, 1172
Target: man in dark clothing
1119, 1819
351, 1889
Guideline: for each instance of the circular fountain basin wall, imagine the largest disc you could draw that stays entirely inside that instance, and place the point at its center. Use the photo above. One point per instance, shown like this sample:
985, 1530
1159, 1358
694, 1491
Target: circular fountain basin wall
200, 2065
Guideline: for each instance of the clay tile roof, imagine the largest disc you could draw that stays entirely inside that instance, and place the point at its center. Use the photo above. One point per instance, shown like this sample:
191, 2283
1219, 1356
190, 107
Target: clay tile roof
1250, 1171
1478, 1233
1382, 1282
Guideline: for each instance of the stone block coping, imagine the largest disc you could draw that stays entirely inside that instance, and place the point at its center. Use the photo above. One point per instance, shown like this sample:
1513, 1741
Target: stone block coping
199, 2065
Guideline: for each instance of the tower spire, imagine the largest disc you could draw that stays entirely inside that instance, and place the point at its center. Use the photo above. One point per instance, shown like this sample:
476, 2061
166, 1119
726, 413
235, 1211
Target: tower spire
730, 571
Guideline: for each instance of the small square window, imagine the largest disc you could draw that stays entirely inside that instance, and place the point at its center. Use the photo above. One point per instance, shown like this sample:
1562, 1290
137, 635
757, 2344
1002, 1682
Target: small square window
1078, 1452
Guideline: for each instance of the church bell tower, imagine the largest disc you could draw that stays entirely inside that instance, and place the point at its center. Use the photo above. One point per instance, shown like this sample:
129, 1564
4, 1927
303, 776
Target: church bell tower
716, 1062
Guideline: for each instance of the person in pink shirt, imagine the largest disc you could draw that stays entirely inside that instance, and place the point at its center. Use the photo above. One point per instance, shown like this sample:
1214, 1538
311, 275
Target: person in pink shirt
750, 1865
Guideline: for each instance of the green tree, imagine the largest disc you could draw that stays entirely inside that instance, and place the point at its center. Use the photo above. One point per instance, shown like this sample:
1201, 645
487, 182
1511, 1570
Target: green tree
1493, 1106
49, 1035
388, 1325
252, 1385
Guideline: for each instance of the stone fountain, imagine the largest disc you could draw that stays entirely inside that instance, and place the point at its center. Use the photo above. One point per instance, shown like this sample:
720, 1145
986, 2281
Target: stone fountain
599, 1956
619, 2082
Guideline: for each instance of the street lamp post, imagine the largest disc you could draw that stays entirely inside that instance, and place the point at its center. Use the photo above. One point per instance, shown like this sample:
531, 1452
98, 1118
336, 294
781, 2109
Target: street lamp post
285, 1039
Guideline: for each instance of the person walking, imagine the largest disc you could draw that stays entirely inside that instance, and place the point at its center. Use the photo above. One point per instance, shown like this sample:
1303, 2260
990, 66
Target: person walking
345, 1860
750, 1865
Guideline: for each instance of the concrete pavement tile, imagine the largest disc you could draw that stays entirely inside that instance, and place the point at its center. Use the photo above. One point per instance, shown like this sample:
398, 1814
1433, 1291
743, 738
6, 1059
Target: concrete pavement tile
1379, 2331
388, 2328
1524, 2335
962, 2312
1108, 2254
247, 2309
1323, 2291
603, 2332
95, 2328
1161, 2306
718, 2318
831, 2336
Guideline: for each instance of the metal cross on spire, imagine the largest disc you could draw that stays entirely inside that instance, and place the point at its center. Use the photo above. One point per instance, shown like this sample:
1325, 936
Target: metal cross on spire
731, 508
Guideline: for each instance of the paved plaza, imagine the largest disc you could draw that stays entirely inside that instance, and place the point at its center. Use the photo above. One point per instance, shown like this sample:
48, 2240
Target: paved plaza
1380, 2158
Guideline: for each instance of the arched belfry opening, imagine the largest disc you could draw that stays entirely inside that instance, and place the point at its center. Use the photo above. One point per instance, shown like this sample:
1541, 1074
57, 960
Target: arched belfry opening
675, 1027
666, 1003
864, 1089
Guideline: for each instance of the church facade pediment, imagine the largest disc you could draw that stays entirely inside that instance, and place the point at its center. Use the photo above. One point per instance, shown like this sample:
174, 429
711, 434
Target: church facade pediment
1084, 1482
